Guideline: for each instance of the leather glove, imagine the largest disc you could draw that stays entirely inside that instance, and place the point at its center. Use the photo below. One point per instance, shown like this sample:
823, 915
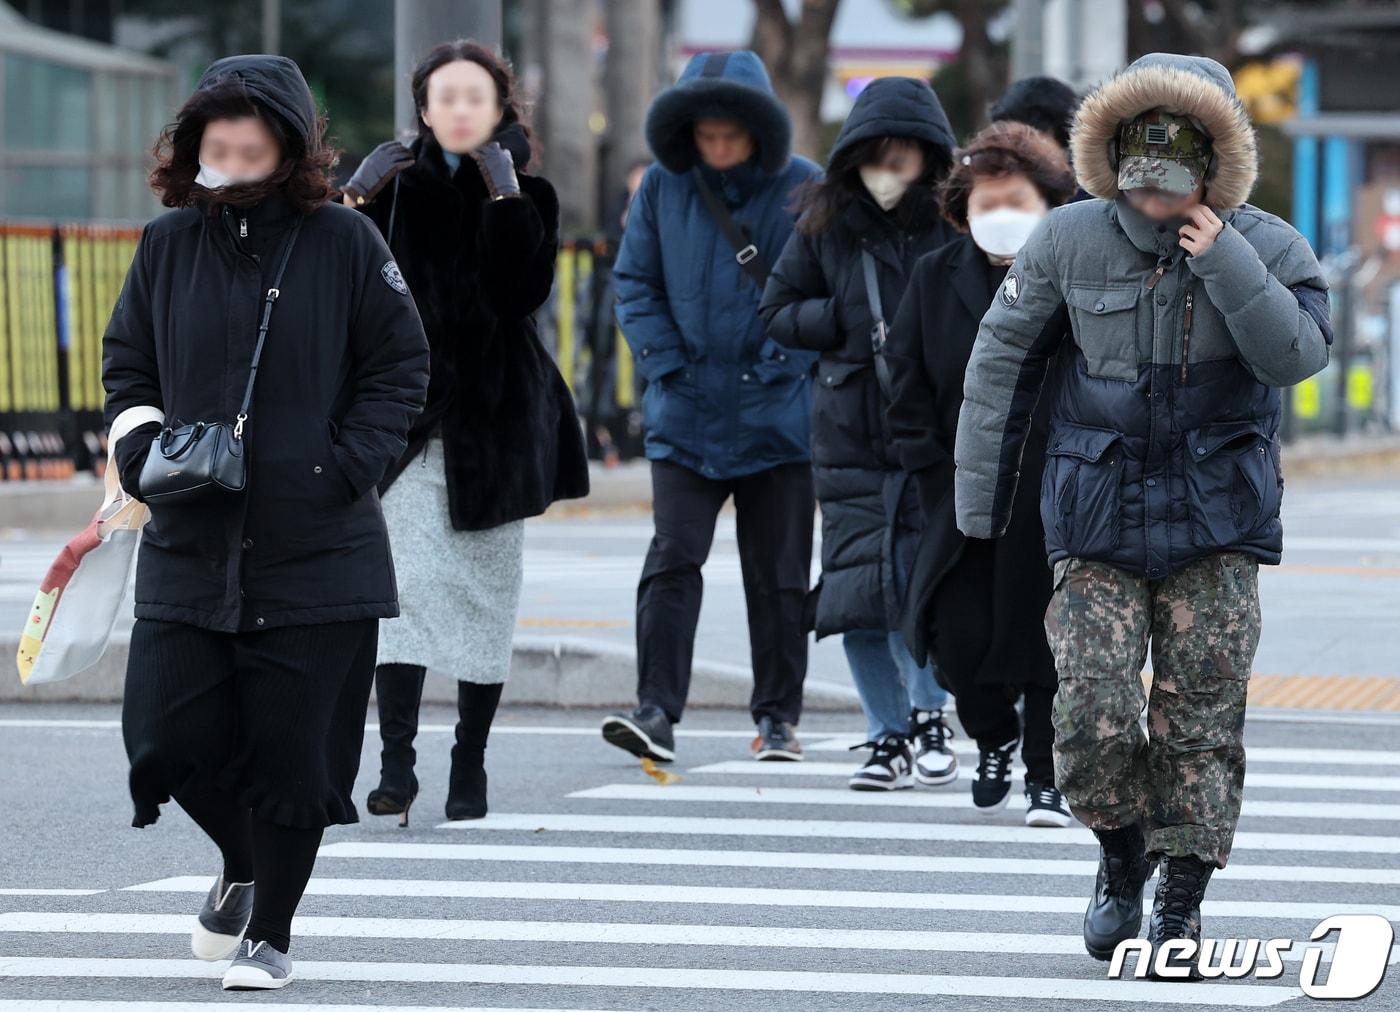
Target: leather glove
131, 452
379, 167
497, 169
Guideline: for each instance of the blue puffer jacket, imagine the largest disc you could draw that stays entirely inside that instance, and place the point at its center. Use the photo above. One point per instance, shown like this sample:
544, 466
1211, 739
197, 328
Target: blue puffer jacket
720, 398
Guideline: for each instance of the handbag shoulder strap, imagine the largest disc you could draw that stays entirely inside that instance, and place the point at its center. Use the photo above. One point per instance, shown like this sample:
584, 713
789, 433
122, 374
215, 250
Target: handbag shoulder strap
745, 252
879, 333
272, 295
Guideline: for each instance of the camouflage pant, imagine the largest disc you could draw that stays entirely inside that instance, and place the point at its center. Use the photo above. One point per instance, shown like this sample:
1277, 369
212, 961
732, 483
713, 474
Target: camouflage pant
1184, 781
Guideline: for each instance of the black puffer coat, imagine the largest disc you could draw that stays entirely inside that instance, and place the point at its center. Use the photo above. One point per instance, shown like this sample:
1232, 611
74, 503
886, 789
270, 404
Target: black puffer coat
478, 269
816, 300
343, 373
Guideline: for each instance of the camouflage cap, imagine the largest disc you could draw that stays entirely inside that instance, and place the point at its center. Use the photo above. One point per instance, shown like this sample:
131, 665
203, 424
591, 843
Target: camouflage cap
1162, 150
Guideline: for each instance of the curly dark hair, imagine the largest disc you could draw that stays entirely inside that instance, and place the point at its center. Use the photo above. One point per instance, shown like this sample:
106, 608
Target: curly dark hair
1004, 149
513, 110
818, 202
303, 175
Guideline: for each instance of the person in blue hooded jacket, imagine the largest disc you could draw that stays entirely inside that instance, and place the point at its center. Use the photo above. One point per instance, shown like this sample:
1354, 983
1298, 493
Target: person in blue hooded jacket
726, 410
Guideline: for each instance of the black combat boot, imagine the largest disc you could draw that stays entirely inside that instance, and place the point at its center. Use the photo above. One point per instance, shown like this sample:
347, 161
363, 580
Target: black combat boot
466, 788
398, 690
1115, 912
1176, 911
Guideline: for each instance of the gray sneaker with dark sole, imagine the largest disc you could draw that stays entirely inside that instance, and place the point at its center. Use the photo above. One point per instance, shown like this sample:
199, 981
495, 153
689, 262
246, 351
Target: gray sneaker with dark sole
258, 967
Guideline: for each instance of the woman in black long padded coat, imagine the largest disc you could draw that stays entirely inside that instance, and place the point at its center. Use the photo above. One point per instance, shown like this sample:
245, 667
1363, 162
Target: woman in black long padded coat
499, 440
979, 605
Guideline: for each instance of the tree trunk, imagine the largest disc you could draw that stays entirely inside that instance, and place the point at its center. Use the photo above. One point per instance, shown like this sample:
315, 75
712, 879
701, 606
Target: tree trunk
630, 79
796, 57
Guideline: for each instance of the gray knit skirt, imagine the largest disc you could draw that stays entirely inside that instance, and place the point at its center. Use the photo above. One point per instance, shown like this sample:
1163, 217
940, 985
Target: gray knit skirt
458, 590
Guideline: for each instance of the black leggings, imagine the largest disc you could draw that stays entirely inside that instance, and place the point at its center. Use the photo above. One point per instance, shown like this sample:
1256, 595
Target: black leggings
276, 859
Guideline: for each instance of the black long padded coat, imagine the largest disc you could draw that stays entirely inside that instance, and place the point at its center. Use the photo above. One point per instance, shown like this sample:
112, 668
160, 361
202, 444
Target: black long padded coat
815, 300
478, 270
930, 343
343, 373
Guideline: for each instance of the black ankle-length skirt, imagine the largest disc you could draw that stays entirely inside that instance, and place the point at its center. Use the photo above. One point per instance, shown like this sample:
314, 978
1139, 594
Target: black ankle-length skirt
273, 718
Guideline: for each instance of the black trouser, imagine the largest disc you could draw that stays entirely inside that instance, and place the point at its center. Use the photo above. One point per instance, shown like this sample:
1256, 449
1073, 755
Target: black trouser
774, 526
988, 715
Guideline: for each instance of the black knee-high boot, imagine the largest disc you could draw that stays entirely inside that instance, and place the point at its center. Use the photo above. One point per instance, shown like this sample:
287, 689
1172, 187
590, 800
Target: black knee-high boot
466, 791
398, 689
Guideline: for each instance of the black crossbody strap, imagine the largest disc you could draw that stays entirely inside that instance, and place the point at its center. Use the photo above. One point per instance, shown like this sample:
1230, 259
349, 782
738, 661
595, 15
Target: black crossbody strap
272, 295
879, 333
745, 252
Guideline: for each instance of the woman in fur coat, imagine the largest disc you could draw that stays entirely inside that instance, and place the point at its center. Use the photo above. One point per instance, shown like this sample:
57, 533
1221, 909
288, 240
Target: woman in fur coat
499, 440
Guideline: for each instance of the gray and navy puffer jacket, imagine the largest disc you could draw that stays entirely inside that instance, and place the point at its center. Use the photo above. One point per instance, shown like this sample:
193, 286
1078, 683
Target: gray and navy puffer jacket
1164, 432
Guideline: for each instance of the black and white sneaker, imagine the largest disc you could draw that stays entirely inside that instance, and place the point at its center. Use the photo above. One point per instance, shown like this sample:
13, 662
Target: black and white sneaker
221, 920
776, 741
992, 787
645, 732
889, 768
1046, 806
934, 761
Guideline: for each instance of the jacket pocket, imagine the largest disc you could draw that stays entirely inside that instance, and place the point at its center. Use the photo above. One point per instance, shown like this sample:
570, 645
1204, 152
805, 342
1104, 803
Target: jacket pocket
1105, 328
1232, 481
846, 407
1082, 489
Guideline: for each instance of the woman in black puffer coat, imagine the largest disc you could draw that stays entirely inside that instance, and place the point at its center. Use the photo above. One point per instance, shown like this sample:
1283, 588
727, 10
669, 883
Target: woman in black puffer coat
257, 612
877, 199
476, 238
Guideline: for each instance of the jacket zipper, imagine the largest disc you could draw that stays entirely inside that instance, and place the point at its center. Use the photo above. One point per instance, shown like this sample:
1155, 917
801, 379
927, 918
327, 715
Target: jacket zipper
242, 228
1186, 335
1156, 276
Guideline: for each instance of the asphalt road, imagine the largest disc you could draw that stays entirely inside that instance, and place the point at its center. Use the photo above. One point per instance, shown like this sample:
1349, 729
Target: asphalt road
1330, 609
744, 885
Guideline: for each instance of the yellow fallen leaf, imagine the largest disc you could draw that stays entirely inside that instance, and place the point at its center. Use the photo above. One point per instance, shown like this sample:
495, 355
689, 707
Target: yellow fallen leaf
662, 777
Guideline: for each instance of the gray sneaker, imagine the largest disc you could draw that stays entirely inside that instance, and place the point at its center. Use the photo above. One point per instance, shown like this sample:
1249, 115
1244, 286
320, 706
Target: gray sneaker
258, 967
222, 920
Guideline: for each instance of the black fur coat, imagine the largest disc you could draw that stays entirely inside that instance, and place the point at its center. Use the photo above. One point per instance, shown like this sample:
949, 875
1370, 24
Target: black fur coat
478, 269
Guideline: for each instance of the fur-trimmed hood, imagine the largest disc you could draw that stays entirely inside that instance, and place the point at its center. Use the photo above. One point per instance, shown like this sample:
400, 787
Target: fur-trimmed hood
1188, 85
730, 85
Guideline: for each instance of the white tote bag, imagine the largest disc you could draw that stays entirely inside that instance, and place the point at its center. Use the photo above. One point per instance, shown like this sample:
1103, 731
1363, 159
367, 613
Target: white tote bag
81, 596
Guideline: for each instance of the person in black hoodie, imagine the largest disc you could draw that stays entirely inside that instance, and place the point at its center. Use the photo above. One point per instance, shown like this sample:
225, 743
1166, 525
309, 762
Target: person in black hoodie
476, 238
977, 605
257, 612
867, 221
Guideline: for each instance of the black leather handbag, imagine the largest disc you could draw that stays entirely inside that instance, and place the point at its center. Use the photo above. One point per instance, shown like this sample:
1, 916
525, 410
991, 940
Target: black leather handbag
200, 459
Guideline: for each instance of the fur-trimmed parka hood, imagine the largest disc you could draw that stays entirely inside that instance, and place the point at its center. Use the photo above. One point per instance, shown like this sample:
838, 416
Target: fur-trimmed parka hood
1188, 85
729, 85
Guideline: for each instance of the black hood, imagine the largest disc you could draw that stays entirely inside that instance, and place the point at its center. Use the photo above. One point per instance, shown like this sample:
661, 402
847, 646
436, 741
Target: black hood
896, 107
274, 82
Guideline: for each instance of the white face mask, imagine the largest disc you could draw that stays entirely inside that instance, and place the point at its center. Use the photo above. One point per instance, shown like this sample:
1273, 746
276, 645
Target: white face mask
213, 179
886, 187
1004, 231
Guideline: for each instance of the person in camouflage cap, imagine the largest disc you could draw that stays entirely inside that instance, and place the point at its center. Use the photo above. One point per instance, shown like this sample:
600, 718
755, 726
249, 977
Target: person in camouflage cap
1164, 151
1187, 310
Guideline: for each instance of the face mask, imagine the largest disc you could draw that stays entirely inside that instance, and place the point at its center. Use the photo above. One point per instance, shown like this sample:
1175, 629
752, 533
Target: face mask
1004, 231
883, 185
213, 179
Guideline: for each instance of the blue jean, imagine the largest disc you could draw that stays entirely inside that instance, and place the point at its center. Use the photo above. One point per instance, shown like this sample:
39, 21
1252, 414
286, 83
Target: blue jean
888, 680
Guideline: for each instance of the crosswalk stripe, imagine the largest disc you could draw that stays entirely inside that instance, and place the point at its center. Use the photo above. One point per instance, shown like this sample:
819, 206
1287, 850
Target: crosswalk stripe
1293, 781
1261, 754
606, 932
923, 799
620, 892
822, 829
21, 891
147, 1004
684, 978
893, 863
